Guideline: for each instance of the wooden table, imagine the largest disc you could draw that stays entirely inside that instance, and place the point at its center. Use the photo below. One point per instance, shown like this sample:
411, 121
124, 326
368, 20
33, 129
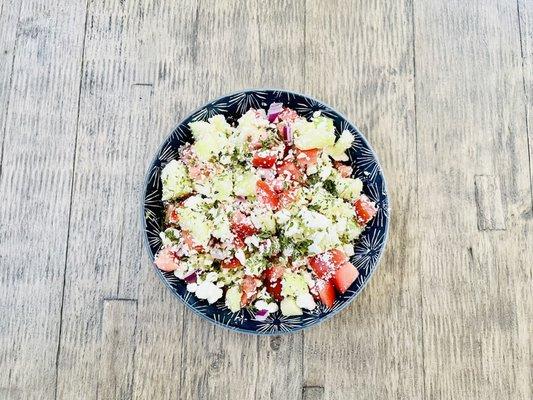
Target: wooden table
442, 89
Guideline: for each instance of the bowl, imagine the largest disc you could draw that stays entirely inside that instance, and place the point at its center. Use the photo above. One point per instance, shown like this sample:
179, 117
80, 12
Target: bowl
368, 247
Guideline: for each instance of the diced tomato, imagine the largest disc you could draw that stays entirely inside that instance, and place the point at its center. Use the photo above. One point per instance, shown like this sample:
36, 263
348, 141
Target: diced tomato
190, 243
307, 157
264, 159
249, 289
266, 195
166, 260
344, 277
172, 214
272, 281
344, 170
241, 232
290, 169
231, 263
326, 292
326, 263
287, 197
365, 209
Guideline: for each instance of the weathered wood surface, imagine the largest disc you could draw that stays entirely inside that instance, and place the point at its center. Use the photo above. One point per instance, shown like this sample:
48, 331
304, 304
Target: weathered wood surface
443, 91
475, 277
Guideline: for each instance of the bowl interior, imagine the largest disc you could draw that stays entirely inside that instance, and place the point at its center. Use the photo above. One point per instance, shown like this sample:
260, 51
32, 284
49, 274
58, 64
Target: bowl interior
368, 248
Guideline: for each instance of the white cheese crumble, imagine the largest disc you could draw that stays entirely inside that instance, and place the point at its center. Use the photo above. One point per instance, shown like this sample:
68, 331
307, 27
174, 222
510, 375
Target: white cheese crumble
305, 300
208, 291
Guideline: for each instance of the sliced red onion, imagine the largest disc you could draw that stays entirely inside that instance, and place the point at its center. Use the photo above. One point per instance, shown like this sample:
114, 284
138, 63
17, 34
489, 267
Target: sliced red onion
273, 111
191, 278
287, 134
261, 315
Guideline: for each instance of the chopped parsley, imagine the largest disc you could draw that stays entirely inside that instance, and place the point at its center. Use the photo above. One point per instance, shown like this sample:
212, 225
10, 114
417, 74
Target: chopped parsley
329, 185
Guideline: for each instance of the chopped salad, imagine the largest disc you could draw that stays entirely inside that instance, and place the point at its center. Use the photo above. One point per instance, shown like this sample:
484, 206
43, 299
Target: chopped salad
263, 213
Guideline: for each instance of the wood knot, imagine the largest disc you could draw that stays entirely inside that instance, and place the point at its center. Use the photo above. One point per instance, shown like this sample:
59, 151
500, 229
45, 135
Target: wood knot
275, 343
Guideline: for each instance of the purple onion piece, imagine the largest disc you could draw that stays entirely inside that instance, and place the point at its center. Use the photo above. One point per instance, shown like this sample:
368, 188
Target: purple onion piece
273, 111
191, 278
261, 315
287, 134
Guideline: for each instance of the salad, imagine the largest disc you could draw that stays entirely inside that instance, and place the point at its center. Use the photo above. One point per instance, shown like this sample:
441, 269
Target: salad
263, 213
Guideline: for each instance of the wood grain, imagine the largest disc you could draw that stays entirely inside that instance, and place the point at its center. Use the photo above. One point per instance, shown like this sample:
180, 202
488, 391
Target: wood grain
118, 349
116, 119
525, 274
35, 180
9, 15
490, 208
525, 28
165, 43
471, 121
443, 91
373, 348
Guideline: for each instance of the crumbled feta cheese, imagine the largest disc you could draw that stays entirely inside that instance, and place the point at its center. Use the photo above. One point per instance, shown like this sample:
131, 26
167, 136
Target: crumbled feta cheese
325, 172
208, 291
239, 254
293, 230
211, 276
348, 249
306, 301
340, 226
273, 307
287, 251
252, 240
261, 305
283, 216
191, 287
314, 219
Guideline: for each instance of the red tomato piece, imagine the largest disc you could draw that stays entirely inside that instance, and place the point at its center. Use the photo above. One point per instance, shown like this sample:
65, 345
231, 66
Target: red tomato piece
243, 230
267, 195
288, 168
307, 157
190, 243
365, 209
249, 289
231, 263
326, 292
171, 214
344, 277
264, 159
272, 281
344, 170
287, 197
166, 260
326, 263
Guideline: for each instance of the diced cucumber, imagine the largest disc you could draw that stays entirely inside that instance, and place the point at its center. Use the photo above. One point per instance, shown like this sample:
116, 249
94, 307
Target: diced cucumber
289, 307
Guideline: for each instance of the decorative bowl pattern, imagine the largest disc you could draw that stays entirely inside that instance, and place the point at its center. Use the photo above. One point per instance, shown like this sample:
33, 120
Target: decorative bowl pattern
368, 248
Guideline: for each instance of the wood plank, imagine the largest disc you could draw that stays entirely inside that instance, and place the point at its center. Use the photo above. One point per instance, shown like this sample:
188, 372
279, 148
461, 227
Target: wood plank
118, 133
525, 26
278, 46
359, 59
313, 393
525, 308
35, 191
118, 348
490, 209
9, 16
476, 285
166, 37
